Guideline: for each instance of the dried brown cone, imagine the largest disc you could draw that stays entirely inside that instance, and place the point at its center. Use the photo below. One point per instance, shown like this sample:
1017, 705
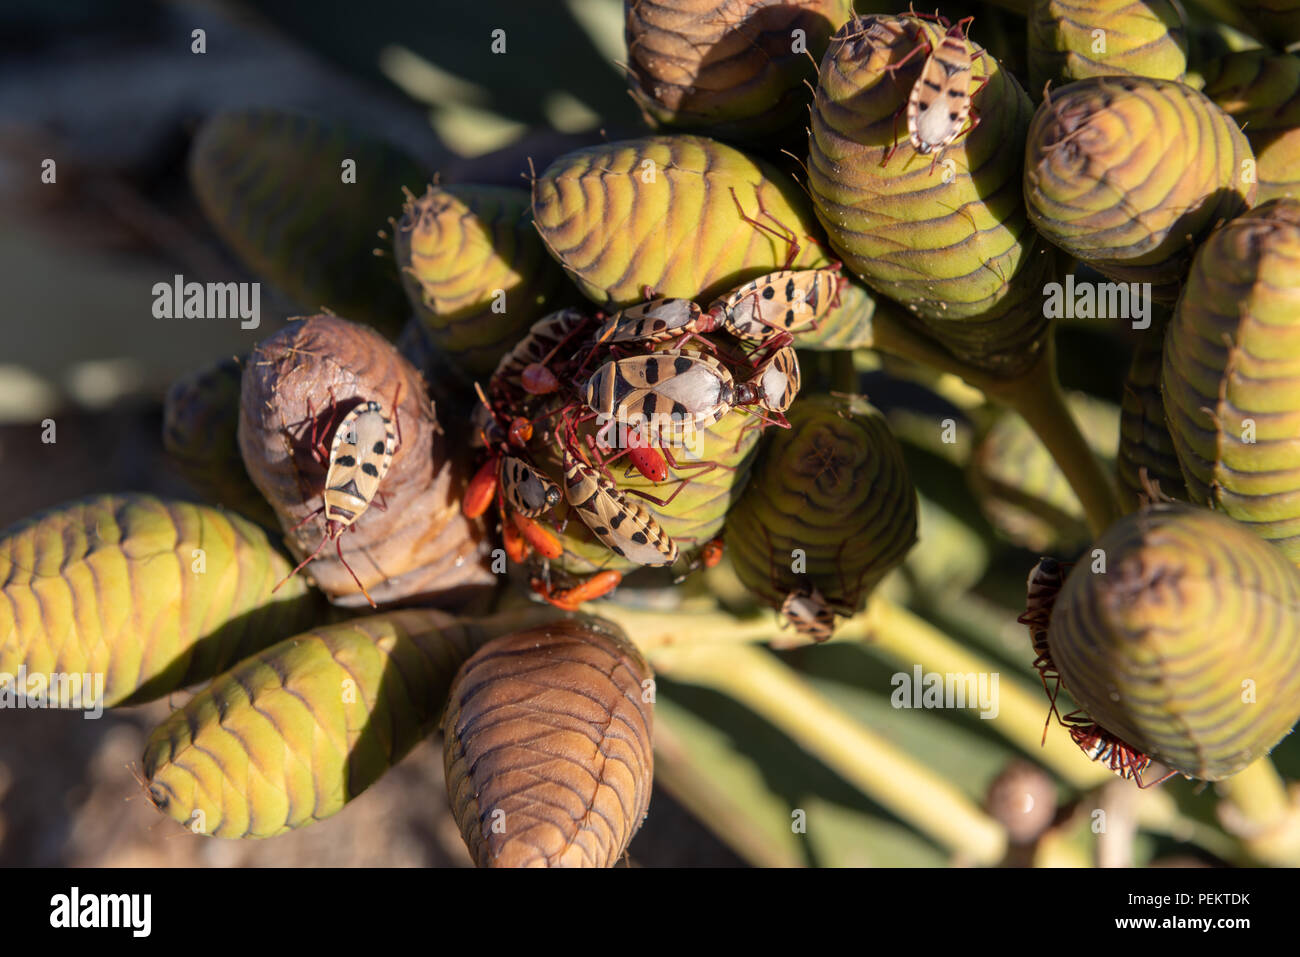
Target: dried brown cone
548, 747
421, 547
731, 68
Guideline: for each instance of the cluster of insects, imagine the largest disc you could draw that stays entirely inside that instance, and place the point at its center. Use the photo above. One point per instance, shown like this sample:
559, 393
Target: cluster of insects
1045, 582
596, 394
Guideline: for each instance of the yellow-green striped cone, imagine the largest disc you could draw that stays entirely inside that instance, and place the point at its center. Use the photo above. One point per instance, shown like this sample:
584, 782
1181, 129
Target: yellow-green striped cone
658, 213
1187, 645
1231, 373
830, 505
475, 271
278, 189
290, 735
1073, 39
1261, 91
948, 240
732, 70
152, 595
1129, 173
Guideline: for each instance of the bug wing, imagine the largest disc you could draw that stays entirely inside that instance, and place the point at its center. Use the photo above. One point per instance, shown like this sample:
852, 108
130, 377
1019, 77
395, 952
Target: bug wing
361, 454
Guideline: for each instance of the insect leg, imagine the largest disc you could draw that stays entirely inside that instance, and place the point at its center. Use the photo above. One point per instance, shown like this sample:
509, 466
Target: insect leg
785, 234
338, 543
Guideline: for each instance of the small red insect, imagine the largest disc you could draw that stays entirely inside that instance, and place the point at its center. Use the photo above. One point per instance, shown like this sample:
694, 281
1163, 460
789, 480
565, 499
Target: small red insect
516, 546
482, 489
538, 536
601, 583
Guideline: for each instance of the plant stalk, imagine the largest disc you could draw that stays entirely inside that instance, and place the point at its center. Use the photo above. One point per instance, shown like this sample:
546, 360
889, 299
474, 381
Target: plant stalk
890, 777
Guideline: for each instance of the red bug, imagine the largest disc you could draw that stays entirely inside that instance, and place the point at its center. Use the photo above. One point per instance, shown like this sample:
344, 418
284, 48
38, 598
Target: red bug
516, 546
482, 489
538, 536
601, 583
1045, 582
1100, 745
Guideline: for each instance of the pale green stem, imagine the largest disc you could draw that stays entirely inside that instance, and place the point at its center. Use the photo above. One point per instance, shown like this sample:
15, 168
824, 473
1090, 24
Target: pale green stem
909, 640
903, 637
1258, 793
890, 777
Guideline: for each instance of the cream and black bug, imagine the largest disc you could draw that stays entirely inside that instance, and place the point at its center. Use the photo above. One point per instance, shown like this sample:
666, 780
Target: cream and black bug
360, 455
625, 528
808, 611
657, 320
940, 101
784, 301
526, 490
667, 391
775, 383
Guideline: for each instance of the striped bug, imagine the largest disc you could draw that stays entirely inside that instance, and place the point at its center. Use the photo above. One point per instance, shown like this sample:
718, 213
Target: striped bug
360, 454
808, 611
525, 367
657, 320
526, 491
775, 382
694, 390
1100, 745
791, 299
940, 99
624, 527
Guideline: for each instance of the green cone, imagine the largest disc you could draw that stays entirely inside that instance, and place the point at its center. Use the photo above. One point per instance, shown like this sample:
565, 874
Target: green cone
1187, 645
1073, 39
948, 240
731, 70
200, 433
475, 271
1261, 91
274, 185
830, 505
1144, 440
1128, 174
1231, 373
152, 595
